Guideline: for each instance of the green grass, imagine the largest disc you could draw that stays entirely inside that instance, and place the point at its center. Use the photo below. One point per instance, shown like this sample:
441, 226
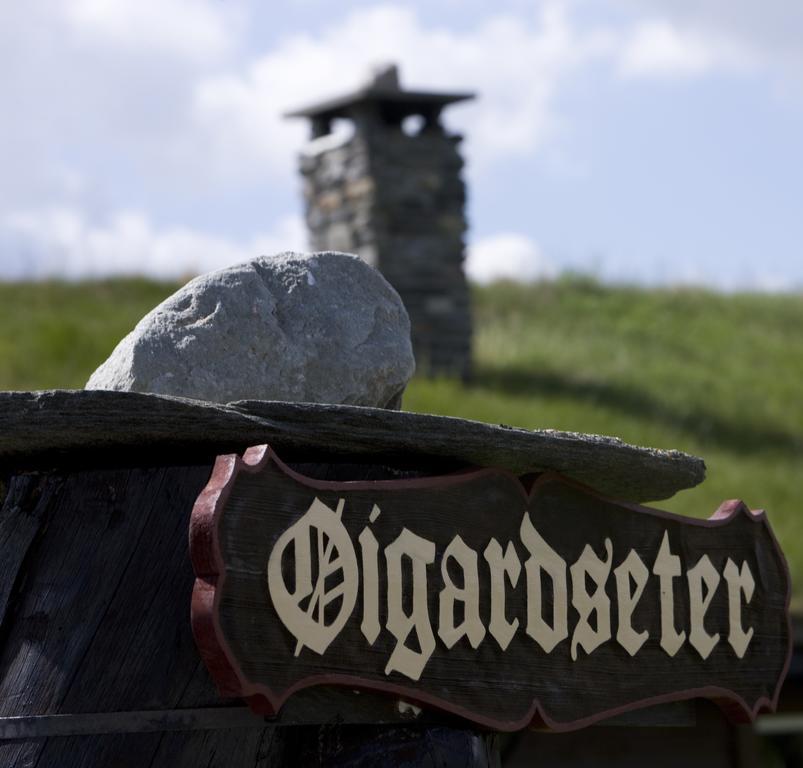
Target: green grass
54, 334
719, 376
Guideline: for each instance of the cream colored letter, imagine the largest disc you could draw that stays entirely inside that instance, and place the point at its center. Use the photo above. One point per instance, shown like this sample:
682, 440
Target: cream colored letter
469, 595
666, 567
702, 573
370, 581
632, 567
508, 565
544, 558
421, 553
335, 555
590, 565
739, 583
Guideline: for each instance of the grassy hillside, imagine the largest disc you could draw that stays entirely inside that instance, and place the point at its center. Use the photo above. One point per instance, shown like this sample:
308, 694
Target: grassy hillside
53, 335
718, 376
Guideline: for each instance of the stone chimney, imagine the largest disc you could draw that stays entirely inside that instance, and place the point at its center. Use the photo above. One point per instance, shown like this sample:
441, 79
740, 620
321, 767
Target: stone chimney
392, 193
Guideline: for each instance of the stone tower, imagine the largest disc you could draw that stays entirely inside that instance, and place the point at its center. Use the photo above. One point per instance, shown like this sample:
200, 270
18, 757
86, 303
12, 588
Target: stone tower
392, 192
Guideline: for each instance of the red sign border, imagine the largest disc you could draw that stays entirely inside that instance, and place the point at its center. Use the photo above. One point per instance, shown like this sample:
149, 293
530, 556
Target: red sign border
220, 661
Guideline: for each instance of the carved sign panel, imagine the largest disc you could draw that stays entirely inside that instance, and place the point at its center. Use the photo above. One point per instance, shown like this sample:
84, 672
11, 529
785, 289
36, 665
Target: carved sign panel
476, 595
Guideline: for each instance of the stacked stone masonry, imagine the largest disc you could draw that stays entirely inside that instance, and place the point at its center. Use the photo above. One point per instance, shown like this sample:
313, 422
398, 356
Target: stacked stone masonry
397, 200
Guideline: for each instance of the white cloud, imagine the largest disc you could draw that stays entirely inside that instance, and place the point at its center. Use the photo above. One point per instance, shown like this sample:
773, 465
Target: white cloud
507, 256
131, 105
774, 27
62, 242
515, 65
167, 94
120, 105
727, 34
101, 89
658, 47
194, 28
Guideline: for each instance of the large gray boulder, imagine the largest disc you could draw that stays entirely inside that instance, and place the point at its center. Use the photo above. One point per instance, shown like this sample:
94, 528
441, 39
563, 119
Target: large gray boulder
320, 327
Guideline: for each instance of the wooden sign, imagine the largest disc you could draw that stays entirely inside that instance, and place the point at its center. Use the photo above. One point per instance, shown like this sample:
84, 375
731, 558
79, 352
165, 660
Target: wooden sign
505, 604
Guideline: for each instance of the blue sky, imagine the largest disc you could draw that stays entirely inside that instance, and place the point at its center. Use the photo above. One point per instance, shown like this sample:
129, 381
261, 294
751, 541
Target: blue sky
655, 141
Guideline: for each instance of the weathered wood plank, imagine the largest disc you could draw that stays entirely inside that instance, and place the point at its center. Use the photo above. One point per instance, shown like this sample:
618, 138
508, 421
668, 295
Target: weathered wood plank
21, 515
144, 721
99, 622
218, 748
80, 427
344, 746
106, 571
146, 622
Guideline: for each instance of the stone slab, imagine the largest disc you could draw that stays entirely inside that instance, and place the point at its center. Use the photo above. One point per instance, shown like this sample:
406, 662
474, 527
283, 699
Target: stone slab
58, 426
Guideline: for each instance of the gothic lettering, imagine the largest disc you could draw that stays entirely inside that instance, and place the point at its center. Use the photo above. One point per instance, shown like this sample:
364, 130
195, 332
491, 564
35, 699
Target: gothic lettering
316, 572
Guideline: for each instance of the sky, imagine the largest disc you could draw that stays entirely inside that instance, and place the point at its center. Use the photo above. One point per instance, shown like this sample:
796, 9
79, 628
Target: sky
649, 141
